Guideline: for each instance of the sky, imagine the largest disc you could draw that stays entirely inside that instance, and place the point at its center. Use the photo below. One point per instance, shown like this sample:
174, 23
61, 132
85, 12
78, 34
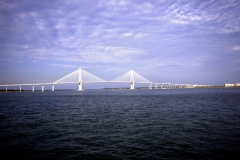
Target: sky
177, 41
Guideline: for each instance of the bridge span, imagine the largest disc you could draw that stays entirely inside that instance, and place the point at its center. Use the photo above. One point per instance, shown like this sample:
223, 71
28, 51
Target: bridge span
81, 76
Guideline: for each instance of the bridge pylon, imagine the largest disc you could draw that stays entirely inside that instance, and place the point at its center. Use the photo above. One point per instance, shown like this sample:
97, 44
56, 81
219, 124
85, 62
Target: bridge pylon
132, 78
79, 77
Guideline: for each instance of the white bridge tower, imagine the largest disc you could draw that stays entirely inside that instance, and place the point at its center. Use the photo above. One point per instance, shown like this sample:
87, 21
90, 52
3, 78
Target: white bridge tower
79, 76
131, 80
80, 79
131, 77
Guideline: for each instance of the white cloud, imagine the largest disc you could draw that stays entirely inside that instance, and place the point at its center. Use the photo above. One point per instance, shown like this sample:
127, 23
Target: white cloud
35, 61
91, 54
66, 65
127, 34
179, 22
114, 31
236, 48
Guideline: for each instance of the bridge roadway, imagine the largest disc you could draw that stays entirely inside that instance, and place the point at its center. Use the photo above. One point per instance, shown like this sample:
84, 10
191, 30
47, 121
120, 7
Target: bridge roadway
155, 84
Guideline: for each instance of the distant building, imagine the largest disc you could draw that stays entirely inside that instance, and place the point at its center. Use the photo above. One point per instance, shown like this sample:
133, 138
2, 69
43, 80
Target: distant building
237, 84
229, 85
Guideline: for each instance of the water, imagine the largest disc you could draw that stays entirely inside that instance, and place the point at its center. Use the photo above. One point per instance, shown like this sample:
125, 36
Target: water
121, 124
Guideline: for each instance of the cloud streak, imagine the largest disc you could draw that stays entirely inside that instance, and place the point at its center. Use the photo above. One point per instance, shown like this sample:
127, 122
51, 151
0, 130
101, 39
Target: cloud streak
237, 48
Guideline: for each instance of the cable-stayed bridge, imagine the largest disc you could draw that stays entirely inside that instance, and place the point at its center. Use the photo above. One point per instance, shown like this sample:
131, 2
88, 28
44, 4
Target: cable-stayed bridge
81, 76
132, 78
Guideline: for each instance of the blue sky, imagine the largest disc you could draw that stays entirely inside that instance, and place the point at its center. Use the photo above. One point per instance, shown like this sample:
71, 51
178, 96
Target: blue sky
194, 41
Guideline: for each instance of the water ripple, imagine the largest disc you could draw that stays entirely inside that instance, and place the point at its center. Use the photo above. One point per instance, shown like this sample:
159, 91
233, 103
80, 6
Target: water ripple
139, 124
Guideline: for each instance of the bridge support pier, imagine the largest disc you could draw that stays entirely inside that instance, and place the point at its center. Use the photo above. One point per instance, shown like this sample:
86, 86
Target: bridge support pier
150, 85
20, 89
52, 87
6, 88
131, 85
32, 88
80, 86
42, 87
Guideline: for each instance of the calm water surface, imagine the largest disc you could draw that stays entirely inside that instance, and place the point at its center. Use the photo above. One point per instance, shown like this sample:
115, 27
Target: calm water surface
121, 124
